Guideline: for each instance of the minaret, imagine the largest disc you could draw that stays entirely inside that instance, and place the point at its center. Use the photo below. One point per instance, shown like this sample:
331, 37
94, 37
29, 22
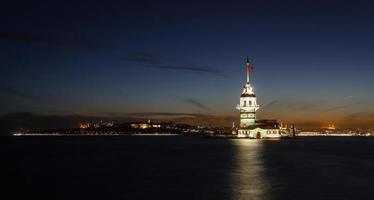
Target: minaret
248, 104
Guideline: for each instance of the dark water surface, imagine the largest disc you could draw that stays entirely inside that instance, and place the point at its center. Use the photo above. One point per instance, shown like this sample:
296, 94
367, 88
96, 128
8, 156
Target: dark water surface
179, 167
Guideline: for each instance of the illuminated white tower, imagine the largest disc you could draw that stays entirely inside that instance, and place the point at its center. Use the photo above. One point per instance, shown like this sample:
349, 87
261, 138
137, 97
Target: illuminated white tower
248, 103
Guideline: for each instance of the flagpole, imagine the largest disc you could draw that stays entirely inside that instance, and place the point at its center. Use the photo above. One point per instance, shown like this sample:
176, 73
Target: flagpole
247, 70
247, 75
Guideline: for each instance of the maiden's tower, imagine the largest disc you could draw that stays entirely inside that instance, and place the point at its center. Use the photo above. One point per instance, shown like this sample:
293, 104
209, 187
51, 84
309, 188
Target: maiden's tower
250, 126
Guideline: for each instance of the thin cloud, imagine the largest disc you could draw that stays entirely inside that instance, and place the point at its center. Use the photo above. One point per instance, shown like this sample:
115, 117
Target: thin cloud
353, 116
141, 57
272, 103
145, 114
291, 104
369, 115
187, 68
152, 61
359, 119
341, 107
18, 93
46, 99
302, 106
196, 103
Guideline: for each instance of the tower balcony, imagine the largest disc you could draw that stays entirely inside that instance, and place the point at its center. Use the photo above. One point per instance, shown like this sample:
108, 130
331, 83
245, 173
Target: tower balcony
252, 108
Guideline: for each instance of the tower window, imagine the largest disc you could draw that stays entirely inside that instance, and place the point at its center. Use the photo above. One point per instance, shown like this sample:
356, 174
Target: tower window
250, 103
245, 103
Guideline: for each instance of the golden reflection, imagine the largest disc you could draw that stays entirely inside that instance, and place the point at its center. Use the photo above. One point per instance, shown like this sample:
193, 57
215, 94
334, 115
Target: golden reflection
247, 172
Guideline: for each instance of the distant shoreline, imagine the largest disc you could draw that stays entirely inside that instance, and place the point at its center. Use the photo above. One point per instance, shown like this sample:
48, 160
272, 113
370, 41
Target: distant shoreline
91, 135
171, 134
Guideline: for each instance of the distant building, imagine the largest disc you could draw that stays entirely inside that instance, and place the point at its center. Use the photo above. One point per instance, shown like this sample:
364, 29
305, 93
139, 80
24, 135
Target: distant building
331, 127
106, 123
84, 125
249, 126
144, 125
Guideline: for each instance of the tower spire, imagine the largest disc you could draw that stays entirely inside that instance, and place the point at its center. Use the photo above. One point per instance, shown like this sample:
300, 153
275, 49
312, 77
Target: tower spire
249, 69
247, 64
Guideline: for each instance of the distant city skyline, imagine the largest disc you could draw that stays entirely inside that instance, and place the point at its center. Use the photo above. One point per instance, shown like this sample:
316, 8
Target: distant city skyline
185, 61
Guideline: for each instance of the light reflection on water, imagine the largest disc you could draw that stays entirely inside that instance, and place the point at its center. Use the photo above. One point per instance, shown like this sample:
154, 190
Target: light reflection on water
247, 174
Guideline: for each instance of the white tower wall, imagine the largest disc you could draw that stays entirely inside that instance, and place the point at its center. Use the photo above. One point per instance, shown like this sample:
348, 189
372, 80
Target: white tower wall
248, 107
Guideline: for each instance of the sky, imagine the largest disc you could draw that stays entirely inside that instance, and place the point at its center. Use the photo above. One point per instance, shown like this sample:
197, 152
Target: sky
185, 60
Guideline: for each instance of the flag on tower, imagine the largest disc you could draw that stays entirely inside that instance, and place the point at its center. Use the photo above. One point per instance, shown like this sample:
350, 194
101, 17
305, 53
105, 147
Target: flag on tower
249, 66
